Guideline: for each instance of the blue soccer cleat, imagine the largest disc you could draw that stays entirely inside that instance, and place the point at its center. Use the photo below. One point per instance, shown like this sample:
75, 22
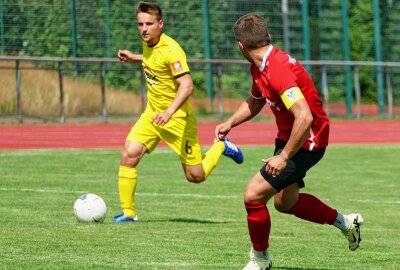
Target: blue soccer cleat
232, 151
121, 218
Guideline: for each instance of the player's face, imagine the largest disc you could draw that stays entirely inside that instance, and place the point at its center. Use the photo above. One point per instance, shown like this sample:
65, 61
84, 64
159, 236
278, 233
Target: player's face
150, 28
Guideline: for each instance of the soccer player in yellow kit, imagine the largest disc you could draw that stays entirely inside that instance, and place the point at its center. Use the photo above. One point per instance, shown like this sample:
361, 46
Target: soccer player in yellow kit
168, 115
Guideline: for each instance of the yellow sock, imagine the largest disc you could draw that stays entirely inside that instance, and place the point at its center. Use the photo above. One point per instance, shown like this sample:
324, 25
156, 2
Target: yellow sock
127, 182
211, 158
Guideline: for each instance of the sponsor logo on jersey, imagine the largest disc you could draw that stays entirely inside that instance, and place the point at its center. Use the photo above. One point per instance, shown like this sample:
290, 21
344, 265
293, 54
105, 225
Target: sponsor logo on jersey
150, 77
176, 66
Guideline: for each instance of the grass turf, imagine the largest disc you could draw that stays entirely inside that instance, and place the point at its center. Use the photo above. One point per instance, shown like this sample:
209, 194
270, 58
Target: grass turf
184, 225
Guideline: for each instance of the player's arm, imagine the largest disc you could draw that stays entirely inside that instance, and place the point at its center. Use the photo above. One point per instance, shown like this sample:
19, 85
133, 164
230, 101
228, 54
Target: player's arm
185, 89
126, 56
301, 128
246, 111
298, 106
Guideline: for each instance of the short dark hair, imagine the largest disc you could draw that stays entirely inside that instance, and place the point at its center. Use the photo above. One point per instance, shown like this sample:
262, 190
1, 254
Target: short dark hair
252, 31
149, 7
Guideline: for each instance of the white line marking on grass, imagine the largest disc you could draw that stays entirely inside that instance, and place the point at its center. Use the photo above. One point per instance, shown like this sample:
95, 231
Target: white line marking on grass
378, 202
155, 194
41, 190
191, 195
138, 193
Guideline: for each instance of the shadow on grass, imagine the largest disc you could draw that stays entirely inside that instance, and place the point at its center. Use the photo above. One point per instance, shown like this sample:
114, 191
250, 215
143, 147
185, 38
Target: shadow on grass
189, 220
297, 268
193, 220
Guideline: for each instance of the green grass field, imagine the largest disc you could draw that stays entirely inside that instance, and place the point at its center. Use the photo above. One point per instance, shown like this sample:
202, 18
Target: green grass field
189, 226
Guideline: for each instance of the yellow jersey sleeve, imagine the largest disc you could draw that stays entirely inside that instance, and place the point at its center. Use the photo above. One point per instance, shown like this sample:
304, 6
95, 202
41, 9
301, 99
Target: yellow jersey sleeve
290, 96
177, 60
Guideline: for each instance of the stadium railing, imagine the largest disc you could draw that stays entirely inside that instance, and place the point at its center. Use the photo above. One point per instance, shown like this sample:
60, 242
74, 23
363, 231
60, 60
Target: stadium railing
219, 64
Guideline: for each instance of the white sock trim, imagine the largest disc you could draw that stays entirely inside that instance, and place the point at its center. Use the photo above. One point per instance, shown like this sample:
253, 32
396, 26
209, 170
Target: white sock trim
341, 222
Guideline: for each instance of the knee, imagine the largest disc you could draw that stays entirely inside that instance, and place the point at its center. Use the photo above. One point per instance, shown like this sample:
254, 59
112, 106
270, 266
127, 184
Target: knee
129, 157
250, 196
282, 207
129, 153
194, 178
194, 174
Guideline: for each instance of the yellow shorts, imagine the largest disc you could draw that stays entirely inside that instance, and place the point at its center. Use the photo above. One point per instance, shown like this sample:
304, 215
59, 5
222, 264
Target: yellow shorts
180, 133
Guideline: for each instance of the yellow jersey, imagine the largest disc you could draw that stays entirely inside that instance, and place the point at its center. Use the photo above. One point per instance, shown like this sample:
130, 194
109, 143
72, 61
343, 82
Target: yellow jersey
161, 64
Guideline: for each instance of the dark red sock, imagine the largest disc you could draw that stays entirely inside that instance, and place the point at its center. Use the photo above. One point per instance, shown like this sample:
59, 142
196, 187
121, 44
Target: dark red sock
312, 209
259, 223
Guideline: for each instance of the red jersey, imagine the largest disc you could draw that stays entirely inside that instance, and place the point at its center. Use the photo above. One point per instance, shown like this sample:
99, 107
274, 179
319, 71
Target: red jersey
279, 72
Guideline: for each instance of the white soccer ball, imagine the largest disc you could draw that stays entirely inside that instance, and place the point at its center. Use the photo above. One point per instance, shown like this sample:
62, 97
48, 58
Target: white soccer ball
90, 208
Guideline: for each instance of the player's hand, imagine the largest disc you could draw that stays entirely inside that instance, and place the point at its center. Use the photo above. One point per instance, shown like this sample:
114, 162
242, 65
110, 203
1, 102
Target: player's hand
125, 56
222, 130
162, 118
275, 165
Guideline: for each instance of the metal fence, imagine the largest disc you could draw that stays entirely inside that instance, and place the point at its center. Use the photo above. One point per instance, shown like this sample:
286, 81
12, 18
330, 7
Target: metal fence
320, 70
342, 30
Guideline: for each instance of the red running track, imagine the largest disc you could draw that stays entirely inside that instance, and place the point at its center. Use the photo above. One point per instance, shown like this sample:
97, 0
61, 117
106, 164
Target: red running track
251, 133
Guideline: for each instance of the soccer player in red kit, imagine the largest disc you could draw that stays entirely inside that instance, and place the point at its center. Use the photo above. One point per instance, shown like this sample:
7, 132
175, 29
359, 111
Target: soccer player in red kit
303, 132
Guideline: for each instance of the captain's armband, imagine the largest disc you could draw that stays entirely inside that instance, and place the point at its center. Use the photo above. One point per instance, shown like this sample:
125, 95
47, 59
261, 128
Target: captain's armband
290, 96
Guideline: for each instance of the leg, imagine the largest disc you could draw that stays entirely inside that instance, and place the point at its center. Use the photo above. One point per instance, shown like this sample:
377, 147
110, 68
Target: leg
194, 173
142, 138
304, 206
286, 198
310, 208
182, 136
256, 195
132, 154
199, 172
260, 189
127, 179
